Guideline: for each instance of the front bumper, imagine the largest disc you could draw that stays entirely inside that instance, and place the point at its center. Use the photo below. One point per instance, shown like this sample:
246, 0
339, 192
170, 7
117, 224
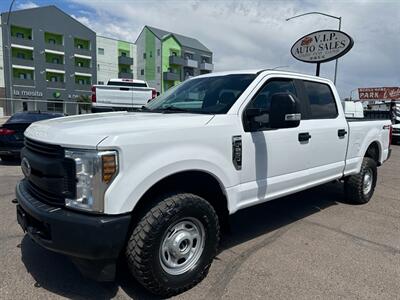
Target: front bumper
81, 236
10, 151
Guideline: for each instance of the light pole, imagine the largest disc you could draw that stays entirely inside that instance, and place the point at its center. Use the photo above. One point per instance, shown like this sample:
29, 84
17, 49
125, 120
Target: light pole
9, 54
326, 15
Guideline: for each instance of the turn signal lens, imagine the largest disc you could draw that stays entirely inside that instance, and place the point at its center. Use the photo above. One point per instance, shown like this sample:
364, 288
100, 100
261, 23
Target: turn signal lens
109, 167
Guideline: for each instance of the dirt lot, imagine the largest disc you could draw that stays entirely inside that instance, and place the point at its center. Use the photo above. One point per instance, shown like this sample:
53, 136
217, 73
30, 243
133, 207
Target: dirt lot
309, 245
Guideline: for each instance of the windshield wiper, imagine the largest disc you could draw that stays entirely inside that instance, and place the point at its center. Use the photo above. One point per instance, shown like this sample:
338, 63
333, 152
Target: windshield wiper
173, 109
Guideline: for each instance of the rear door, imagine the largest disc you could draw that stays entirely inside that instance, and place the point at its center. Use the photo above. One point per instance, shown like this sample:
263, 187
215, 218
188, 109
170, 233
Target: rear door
328, 129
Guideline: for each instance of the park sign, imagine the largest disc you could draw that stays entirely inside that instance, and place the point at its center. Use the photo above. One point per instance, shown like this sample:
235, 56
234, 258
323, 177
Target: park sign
322, 46
379, 93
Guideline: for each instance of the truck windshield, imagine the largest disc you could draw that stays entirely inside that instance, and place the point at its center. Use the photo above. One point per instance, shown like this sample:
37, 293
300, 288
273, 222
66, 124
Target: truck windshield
209, 95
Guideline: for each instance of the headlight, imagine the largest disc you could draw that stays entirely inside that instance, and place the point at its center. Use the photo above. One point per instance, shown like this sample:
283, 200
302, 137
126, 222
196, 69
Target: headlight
95, 171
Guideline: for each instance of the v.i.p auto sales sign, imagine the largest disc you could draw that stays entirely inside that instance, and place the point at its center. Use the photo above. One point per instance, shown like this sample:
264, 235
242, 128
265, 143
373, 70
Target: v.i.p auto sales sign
322, 46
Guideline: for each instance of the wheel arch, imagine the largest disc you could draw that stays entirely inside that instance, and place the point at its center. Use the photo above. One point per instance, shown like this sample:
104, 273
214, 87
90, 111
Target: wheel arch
374, 151
199, 182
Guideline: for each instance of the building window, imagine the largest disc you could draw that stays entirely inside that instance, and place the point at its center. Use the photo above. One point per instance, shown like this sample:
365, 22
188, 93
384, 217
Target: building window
142, 72
173, 53
51, 41
56, 60
158, 70
79, 46
123, 54
56, 106
19, 35
158, 52
144, 55
100, 82
100, 51
53, 79
151, 53
98, 67
22, 76
21, 55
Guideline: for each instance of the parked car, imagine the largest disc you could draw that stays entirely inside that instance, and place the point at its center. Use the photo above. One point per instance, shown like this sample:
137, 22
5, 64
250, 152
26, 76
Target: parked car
12, 132
155, 186
121, 94
396, 133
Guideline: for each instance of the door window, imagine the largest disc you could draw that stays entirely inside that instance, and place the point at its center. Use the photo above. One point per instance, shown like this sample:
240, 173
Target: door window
263, 98
321, 100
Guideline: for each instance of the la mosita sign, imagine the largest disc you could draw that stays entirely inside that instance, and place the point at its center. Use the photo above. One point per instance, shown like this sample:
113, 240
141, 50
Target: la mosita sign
379, 93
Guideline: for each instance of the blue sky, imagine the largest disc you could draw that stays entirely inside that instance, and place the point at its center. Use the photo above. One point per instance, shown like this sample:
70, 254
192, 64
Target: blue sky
254, 34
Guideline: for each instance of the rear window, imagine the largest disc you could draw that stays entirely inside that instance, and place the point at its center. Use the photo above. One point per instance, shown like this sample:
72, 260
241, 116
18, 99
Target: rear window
31, 117
321, 100
127, 83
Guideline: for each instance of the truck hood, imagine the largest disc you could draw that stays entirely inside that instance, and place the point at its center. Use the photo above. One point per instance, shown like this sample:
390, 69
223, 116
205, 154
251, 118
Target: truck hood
87, 131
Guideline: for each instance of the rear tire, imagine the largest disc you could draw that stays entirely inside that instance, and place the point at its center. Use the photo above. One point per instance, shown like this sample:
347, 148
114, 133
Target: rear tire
173, 245
359, 188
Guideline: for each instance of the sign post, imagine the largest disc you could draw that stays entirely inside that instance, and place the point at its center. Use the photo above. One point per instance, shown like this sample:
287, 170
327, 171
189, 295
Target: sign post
322, 46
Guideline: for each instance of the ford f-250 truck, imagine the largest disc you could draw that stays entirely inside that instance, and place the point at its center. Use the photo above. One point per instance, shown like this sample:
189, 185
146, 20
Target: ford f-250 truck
121, 94
155, 186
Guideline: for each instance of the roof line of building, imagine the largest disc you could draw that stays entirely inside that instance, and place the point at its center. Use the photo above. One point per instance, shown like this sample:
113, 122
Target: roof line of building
54, 6
115, 39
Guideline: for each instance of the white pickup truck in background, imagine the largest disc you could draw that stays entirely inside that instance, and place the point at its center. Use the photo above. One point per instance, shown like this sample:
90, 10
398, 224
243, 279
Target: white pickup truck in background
121, 94
153, 187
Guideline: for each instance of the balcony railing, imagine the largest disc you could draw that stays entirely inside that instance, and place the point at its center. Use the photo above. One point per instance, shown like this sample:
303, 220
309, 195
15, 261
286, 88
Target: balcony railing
191, 63
171, 76
176, 60
56, 84
22, 61
206, 66
19, 81
82, 51
56, 66
21, 41
55, 47
83, 69
125, 60
125, 75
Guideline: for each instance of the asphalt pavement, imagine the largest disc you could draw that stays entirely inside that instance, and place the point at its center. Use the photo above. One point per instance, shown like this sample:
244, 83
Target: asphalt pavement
306, 246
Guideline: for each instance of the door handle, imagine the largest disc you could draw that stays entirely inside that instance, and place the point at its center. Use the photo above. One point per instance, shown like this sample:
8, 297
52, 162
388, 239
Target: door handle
304, 136
341, 132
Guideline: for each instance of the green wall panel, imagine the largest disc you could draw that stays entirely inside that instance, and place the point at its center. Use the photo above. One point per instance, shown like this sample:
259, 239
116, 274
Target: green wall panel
150, 50
169, 45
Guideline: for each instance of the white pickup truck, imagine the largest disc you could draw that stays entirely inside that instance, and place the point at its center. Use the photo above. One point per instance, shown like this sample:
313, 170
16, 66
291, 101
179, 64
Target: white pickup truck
155, 186
121, 94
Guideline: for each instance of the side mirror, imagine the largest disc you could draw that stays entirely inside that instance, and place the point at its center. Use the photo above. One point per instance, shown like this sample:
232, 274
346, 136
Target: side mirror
284, 111
252, 115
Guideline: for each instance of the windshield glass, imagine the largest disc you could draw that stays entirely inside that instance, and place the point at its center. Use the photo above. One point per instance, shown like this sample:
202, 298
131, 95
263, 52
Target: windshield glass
210, 95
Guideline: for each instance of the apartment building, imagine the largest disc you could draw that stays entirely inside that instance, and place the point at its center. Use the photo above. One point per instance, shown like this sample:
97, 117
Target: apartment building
165, 58
47, 55
115, 59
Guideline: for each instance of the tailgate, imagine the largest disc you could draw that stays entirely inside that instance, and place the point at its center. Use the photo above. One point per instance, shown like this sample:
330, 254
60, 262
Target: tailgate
113, 96
122, 96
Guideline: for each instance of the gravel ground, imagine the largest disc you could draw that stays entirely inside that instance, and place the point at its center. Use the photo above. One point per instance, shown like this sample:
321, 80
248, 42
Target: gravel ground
309, 245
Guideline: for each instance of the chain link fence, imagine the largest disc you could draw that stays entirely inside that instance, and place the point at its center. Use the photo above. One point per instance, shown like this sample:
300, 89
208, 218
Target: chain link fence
9, 106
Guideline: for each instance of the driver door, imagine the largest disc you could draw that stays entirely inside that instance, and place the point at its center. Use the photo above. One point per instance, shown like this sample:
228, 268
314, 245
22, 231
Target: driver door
274, 161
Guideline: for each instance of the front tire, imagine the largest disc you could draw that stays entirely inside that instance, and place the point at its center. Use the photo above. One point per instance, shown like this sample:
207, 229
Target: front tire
359, 188
173, 245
